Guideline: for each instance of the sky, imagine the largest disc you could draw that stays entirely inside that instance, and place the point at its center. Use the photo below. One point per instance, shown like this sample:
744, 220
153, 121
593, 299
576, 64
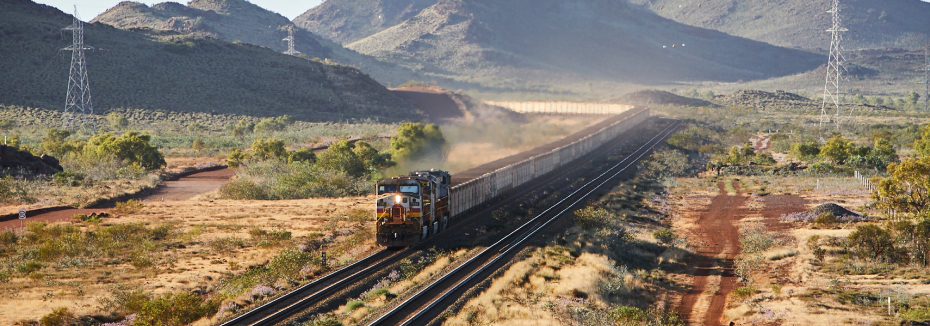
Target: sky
88, 9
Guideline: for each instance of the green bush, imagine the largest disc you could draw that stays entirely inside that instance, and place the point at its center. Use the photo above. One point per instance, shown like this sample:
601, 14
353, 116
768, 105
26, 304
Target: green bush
242, 189
352, 305
592, 217
626, 315
131, 147
117, 121
273, 124
415, 141
826, 218
665, 236
68, 178
744, 292
175, 309
58, 317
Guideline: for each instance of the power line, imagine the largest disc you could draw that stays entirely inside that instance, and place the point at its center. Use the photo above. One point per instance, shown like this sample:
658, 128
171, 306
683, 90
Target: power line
78, 99
831, 89
290, 41
926, 81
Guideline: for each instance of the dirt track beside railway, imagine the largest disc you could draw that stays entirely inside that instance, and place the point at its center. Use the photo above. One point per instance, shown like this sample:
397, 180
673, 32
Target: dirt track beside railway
717, 245
180, 188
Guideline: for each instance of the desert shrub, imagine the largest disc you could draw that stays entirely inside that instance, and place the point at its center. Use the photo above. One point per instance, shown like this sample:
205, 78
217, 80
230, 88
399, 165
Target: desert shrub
131, 206
764, 159
117, 121
289, 262
592, 217
915, 313
8, 237
68, 178
323, 321
58, 317
871, 242
667, 163
373, 160
665, 236
273, 124
744, 292
92, 218
626, 315
226, 244
14, 190
826, 218
754, 239
355, 304
197, 145
172, 309
241, 128
274, 236
242, 189
301, 155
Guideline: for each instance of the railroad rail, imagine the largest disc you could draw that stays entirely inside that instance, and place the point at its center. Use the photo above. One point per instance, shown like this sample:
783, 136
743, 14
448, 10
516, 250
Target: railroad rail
539, 169
487, 260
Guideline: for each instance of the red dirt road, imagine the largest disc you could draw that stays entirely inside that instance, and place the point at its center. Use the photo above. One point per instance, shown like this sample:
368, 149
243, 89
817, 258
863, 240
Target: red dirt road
718, 245
181, 189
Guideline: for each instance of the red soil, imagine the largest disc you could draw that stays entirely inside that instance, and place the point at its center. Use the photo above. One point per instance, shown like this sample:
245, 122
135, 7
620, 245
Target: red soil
717, 236
180, 189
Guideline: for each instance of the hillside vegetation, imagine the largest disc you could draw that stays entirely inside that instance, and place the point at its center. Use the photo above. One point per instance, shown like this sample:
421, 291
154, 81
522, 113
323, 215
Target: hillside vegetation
243, 22
802, 23
349, 21
182, 73
559, 41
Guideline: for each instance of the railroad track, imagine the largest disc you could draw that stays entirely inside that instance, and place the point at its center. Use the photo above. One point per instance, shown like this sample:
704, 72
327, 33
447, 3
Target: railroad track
330, 285
433, 299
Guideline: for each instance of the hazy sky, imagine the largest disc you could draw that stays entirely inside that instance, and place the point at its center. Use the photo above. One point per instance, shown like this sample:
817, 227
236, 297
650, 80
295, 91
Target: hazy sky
88, 9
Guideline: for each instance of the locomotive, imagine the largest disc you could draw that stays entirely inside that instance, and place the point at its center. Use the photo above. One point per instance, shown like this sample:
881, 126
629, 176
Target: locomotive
412, 207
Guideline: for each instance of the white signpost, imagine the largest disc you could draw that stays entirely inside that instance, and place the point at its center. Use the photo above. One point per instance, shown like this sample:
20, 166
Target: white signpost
22, 216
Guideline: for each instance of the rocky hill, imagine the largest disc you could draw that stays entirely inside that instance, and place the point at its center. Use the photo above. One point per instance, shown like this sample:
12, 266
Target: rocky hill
231, 20
802, 23
166, 70
349, 21
555, 40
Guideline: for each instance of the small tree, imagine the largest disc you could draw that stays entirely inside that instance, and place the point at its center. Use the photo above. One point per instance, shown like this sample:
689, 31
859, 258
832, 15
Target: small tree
268, 149
117, 121
415, 141
131, 147
836, 149
341, 157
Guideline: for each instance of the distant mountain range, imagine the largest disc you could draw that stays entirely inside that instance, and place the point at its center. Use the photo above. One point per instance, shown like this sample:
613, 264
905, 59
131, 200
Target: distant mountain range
166, 70
803, 23
590, 39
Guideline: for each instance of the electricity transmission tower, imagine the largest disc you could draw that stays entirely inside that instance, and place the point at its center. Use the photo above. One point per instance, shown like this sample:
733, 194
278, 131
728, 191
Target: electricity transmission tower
831, 89
290, 41
78, 102
926, 81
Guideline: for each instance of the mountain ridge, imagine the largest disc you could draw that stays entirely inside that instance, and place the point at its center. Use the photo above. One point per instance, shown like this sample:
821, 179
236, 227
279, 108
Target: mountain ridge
164, 70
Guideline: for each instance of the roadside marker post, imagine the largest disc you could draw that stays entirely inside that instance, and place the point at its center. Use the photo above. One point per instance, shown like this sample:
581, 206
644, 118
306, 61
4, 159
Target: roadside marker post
22, 217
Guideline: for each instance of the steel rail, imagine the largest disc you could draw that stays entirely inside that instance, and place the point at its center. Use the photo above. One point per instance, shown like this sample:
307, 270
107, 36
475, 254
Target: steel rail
339, 279
501, 252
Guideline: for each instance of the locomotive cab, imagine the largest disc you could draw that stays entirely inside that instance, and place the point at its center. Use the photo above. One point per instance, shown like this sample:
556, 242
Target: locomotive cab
411, 208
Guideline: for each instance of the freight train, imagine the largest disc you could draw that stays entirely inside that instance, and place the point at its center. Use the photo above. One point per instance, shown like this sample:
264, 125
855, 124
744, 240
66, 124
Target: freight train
412, 207
416, 206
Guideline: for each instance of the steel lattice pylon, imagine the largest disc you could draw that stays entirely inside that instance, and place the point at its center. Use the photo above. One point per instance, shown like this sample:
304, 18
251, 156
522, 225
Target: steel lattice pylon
831, 88
78, 99
926, 81
290, 41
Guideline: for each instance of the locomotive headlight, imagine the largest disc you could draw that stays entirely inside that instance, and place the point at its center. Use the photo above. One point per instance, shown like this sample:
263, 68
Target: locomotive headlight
397, 199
